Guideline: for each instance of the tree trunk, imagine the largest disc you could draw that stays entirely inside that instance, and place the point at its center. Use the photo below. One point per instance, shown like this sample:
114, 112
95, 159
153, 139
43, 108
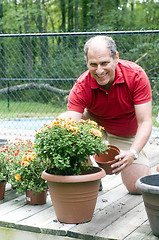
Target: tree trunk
63, 12
93, 14
2, 50
132, 13
84, 13
100, 8
27, 47
70, 15
43, 41
45, 52
76, 16
76, 24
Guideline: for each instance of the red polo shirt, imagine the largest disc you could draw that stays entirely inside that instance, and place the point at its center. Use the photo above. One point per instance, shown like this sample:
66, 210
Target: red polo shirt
113, 109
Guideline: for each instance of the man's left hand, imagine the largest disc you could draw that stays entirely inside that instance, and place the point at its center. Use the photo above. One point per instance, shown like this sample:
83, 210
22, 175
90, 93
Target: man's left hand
125, 158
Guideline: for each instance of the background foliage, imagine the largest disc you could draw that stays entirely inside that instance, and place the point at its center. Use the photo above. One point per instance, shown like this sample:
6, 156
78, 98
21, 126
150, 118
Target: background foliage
77, 15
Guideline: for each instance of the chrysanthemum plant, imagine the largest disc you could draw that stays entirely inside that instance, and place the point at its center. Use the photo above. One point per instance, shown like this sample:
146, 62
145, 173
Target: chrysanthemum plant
65, 145
23, 166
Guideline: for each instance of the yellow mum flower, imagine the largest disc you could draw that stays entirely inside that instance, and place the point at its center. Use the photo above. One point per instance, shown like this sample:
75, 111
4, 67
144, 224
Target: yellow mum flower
96, 132
26, 163
30, 156
24, 157
17, 177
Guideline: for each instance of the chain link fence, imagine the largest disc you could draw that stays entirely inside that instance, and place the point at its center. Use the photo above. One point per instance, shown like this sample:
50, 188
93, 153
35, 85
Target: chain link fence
37, 72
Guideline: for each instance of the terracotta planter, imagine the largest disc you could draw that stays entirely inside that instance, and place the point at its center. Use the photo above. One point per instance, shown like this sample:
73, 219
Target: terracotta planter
149, 186
37, 198
2, 189
106, 160
74, 197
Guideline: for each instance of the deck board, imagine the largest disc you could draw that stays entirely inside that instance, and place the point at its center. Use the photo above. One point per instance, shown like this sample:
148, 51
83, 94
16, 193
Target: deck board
117, 215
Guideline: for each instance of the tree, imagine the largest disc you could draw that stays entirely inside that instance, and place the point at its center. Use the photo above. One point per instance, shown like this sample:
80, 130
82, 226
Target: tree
70, 15
63, 14
84, 5
2, 49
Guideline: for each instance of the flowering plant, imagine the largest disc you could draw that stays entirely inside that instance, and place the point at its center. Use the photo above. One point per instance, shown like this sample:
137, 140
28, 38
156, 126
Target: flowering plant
65, 145
23, 166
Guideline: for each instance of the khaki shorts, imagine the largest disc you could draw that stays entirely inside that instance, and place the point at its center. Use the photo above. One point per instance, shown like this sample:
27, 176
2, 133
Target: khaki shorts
125, 143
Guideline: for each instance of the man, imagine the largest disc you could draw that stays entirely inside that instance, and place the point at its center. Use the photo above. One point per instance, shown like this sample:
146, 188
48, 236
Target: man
117, 95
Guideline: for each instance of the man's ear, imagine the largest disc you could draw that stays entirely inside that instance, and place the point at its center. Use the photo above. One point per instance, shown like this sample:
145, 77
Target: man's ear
85, 59
117, 57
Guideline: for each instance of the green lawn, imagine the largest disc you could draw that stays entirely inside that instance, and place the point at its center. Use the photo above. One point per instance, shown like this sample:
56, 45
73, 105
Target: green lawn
37, 110
29, 109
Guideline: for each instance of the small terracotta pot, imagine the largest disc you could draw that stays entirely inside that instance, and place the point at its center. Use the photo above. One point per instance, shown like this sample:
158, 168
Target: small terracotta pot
2, 189
149, 186
74, 197
36, 198
106, 160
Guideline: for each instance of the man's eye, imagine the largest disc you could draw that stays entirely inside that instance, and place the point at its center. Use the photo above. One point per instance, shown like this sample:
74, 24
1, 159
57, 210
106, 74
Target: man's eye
93, 64
104, 63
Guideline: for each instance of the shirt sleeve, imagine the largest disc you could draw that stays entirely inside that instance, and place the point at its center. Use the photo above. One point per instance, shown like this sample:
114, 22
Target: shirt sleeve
142, 89
76, 99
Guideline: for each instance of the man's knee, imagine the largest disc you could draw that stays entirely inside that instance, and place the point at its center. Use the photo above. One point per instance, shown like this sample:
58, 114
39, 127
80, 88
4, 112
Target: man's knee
131, 174
132, 189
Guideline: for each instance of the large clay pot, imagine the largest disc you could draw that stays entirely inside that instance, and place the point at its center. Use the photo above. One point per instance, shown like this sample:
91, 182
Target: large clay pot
74, 197
36, 198
106, 160
149, 186
2, 189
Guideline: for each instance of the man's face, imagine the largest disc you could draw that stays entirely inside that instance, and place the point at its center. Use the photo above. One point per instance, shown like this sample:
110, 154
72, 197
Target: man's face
101, 64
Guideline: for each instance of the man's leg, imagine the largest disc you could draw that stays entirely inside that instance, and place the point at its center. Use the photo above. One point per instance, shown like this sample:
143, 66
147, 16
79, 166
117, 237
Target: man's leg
130, 175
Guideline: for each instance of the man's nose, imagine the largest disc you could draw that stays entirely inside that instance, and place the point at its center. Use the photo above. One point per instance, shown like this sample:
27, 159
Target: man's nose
100, 69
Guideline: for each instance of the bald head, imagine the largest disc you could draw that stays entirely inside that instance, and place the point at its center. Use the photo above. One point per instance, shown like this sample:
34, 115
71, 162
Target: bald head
97, 40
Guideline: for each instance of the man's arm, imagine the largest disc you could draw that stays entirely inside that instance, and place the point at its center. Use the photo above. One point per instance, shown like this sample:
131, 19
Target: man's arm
144, 120
71, 114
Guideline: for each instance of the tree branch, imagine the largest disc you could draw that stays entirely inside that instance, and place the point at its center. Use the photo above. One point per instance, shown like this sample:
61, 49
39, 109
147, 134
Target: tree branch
47, 87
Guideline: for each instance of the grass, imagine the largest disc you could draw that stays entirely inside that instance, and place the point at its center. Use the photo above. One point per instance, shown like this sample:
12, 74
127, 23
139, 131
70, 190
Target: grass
29, 109
41, 110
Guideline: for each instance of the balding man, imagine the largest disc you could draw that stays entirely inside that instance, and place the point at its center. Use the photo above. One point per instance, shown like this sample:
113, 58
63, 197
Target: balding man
117, 95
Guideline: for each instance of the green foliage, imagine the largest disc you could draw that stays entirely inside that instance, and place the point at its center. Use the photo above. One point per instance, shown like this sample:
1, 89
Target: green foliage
144, 50
66, 144
83, 15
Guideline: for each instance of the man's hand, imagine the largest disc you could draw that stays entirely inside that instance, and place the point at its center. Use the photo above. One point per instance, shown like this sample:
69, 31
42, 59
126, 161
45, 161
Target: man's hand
125, 158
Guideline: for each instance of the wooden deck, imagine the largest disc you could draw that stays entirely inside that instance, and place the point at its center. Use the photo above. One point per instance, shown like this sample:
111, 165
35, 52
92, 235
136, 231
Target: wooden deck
118, 215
